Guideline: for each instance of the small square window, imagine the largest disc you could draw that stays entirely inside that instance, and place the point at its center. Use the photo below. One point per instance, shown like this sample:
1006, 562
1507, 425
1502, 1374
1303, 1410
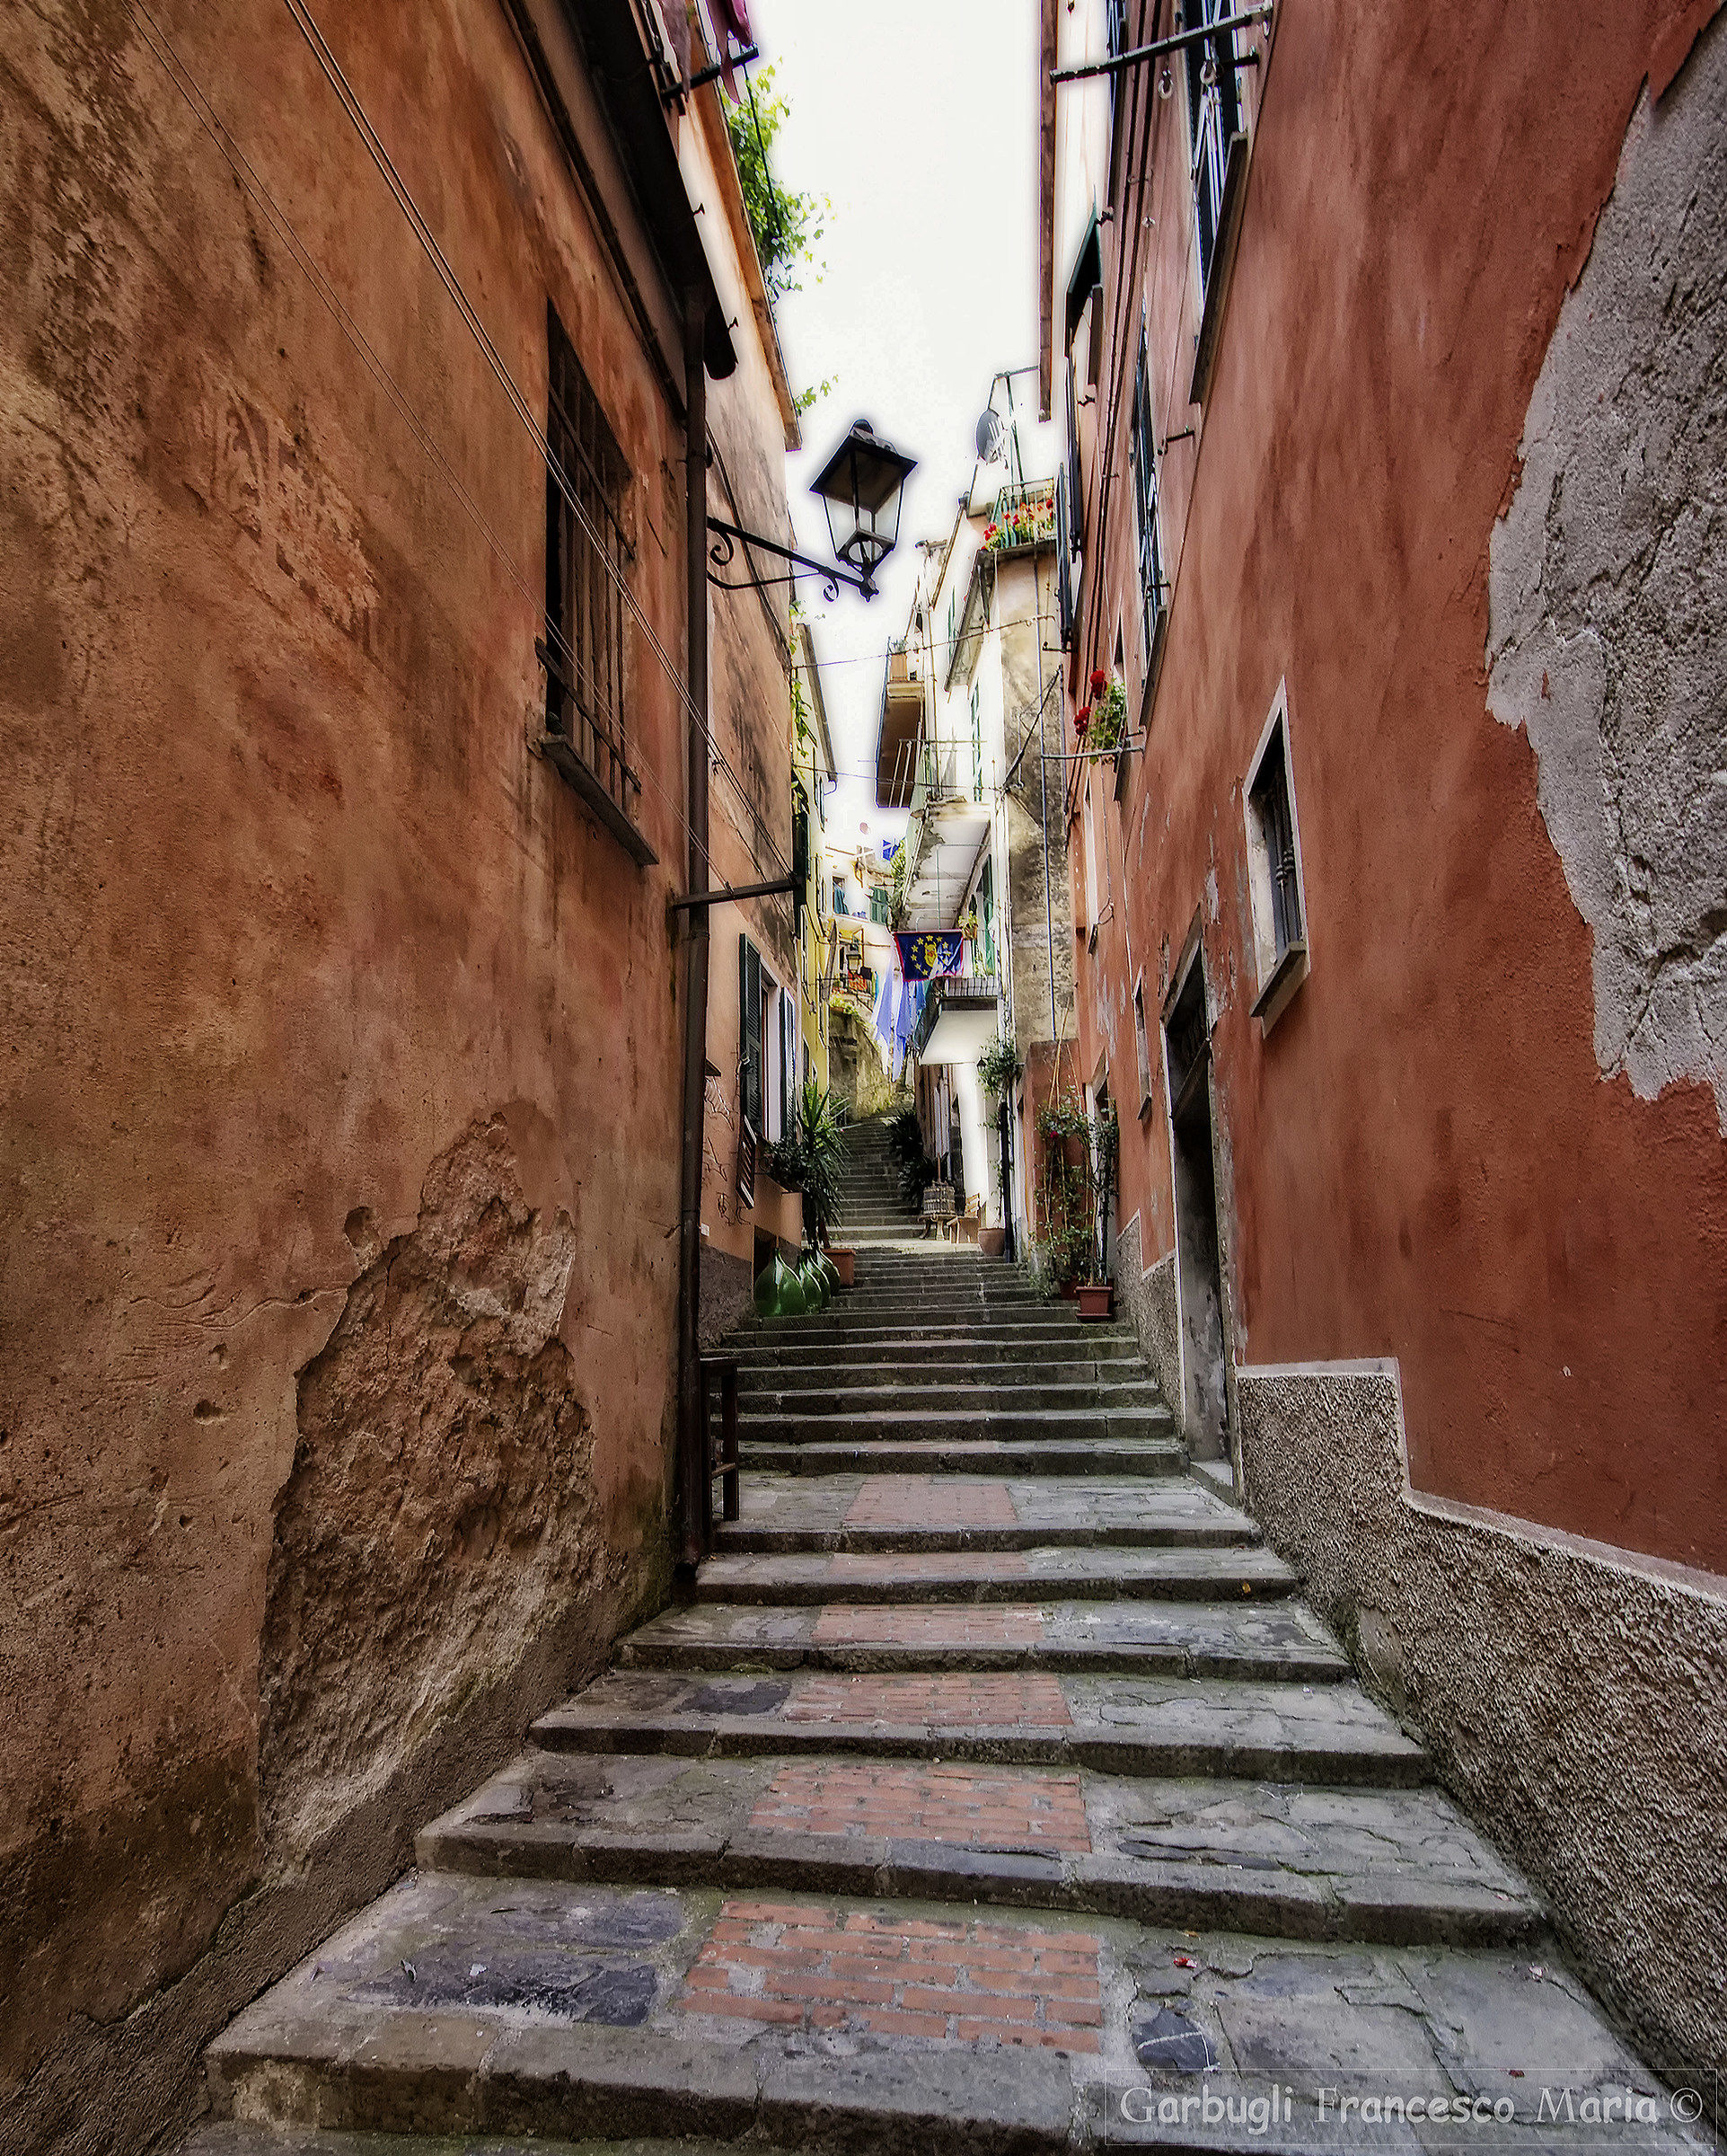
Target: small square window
1274, 868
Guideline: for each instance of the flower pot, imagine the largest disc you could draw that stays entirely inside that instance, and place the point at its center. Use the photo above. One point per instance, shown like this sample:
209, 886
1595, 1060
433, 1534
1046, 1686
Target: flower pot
845, 1263
992, 1241
1096, 1301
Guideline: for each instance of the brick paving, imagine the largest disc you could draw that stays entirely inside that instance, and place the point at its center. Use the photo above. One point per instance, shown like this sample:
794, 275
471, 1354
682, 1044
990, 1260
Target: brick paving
807, 1968
913, 1624
982, 1808
947, 1699
924, 1501
861, 1568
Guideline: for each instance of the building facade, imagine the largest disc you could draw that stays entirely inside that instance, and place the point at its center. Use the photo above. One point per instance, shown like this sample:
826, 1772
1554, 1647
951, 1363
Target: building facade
345, 547
970, 744
1388, 509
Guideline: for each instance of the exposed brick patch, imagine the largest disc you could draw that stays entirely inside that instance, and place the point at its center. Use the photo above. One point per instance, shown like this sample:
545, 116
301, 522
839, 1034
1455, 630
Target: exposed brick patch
868, 1568
927, 1624
806, 1967
926, 1501
947, 1699
981, 1807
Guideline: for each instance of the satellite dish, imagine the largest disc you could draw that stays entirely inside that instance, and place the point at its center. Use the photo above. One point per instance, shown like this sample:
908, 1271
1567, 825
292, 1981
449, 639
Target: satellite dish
991, 432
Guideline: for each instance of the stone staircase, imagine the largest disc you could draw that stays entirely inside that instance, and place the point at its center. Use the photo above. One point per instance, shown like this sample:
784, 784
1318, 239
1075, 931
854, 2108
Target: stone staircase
996, 1778
871, 1211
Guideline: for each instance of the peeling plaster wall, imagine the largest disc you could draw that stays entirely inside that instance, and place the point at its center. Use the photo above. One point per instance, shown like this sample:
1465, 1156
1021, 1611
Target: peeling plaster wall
1577, 1706
1608, 592
338, 1107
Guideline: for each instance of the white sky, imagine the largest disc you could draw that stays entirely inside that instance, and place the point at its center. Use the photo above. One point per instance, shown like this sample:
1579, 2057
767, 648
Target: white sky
918, 120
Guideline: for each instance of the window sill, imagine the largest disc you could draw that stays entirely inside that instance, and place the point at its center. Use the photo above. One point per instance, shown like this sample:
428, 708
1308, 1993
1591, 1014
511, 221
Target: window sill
1229, 225
575, 774
1285, 977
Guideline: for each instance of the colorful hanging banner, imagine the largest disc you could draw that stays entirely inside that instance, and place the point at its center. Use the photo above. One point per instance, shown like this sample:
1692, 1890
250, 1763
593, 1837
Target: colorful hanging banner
929, 955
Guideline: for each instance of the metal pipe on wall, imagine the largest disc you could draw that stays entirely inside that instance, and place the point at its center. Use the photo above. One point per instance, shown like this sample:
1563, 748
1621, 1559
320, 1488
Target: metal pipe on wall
691, 1433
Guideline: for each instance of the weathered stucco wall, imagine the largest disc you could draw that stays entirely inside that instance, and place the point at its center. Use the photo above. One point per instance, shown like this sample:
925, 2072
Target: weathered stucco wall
1608, 593
1577, 1705
339, 1109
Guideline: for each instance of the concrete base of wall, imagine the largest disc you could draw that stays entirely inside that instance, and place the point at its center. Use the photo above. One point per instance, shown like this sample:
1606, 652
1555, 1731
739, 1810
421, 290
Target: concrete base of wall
1575, 1699
1147, 1299
728, 1295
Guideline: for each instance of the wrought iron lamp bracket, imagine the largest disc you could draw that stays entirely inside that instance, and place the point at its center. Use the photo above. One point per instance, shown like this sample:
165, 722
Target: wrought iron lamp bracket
723, 550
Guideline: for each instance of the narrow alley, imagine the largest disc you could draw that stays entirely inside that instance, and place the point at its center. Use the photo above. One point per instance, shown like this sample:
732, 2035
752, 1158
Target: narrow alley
863, 1078
996, 1770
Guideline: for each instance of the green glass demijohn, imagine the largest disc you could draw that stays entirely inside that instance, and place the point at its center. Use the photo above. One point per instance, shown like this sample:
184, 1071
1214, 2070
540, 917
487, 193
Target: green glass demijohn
778, 1291
830, 1274
817, 1294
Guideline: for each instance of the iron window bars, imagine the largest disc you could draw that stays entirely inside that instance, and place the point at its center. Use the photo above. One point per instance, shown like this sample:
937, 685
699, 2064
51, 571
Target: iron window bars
587, 560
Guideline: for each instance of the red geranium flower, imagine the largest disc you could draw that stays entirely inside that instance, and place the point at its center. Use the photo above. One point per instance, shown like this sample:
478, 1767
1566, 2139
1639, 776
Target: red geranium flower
1099, 682
1082, 719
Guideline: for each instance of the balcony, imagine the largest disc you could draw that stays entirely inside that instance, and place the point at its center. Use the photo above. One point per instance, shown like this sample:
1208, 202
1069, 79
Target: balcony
1024, 520
958, 1018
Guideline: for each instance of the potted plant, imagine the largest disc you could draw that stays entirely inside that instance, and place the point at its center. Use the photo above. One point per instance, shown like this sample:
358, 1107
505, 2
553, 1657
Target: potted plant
999, 1065
1108, 725
819, 1141
1096, 1296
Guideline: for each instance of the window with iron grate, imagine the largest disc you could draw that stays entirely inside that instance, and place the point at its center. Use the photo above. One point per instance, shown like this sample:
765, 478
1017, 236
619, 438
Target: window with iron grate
588, 562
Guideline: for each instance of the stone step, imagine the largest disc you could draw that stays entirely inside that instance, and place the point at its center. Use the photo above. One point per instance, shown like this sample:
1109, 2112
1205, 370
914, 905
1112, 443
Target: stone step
1017, 1392
842, 1321
1257, 1639
1396, 1866
230, 2137
828, 2024
960, 1424
989, 1575
780, 1384
1328, 1733
955, 1512
885, 1456
960, 1359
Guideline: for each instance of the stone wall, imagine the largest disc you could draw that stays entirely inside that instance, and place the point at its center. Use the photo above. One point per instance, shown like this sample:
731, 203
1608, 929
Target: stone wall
1576, 1702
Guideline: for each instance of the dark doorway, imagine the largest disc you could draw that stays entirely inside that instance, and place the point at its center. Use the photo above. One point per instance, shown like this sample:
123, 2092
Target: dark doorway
1199, 1269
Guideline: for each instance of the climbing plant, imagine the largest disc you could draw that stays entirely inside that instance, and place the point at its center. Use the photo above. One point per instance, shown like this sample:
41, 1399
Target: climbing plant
787, 225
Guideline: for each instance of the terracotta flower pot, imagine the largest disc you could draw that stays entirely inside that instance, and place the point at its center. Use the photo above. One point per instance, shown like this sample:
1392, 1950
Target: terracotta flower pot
1096, 1301
992, 1241
845, 1264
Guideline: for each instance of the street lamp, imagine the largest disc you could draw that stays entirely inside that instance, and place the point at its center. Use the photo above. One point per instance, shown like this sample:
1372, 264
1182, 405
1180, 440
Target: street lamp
861, 486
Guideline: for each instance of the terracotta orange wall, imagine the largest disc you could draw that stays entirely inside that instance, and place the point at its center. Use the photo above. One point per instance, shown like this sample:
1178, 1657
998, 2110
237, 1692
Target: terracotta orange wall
290, 912
1422, 1159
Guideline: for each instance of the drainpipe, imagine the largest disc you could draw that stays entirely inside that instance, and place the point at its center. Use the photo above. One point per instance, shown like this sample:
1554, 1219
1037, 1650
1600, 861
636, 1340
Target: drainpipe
691, 1434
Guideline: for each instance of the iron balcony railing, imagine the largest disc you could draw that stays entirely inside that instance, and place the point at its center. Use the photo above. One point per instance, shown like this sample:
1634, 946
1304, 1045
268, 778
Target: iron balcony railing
958, 992
1024, 517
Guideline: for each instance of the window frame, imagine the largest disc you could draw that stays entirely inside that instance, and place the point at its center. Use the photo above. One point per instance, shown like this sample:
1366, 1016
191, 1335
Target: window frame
1142, 460
586, 649
1277, 877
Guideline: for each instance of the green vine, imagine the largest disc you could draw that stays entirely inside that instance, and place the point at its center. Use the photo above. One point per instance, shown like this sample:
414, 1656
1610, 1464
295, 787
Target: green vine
785, 224
999, 1065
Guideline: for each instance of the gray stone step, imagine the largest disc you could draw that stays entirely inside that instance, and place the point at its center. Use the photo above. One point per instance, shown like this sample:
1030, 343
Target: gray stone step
1019, 1392
958, 1425
958, 1512
957, 1354
1396, 1866
842, 1321
230, 2137
1328, 1733
1254, 1639
779, 1383
544, 2007
1017, 1576
884, 1456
